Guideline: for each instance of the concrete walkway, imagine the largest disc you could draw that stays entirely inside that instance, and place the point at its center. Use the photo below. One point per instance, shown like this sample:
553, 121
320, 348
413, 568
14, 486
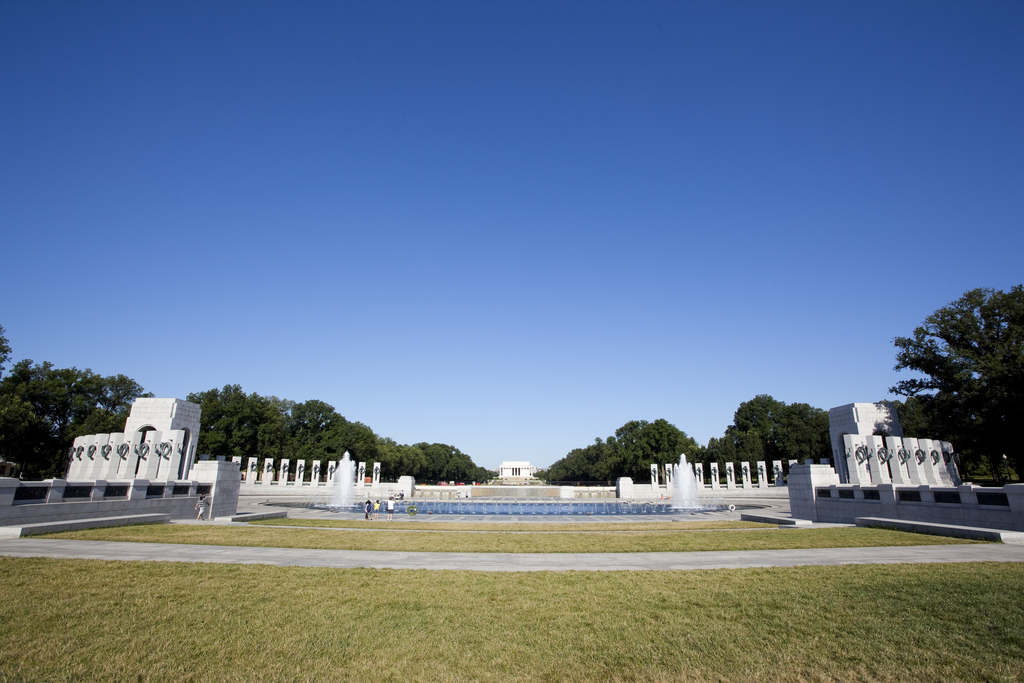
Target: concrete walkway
516, 562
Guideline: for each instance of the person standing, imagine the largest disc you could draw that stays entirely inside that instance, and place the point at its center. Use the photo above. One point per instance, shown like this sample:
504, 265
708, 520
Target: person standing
201, 505
367, 508
376, 509
391, 508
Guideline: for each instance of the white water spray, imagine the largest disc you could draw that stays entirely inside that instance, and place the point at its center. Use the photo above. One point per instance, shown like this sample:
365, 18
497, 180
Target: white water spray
344, 483
683, 487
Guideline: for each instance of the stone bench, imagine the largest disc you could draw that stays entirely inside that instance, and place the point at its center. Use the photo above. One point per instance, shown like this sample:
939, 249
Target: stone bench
76, 524
771, 519
953, 530
253, 516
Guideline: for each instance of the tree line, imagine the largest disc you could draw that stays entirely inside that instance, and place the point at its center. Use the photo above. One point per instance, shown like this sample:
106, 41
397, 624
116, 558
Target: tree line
762, 429
234, 423
44, 408
969, 389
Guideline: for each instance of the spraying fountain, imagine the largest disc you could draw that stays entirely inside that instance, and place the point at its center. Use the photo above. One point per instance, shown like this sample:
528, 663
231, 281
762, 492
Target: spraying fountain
683, 487
344, 483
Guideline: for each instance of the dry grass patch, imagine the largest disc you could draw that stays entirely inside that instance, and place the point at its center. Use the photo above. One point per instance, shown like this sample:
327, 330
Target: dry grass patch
68, 620
611, 542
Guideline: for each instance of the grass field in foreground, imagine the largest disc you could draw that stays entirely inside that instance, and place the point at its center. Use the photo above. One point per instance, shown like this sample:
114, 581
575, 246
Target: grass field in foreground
576, 527
654, 541
68, 620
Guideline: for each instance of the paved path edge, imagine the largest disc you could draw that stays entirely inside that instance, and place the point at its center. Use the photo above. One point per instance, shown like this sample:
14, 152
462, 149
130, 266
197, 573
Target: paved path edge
350, 559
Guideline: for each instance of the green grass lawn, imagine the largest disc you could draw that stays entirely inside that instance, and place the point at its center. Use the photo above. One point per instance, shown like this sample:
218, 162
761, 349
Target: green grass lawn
413, 541
77, 620
421, 524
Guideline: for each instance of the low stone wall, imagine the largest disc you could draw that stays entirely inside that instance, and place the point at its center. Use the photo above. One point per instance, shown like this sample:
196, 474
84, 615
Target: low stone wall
56, 500
815, 493
291, 490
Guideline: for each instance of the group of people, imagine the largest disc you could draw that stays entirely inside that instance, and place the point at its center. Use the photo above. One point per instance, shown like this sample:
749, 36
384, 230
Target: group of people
373, 507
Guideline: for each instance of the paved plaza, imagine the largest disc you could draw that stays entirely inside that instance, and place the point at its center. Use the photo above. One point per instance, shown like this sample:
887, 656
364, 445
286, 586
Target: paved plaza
298, 557
515, 562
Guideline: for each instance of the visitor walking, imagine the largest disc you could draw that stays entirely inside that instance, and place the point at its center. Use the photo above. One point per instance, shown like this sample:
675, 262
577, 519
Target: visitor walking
367, 508
391, 508
376, 509
201, 505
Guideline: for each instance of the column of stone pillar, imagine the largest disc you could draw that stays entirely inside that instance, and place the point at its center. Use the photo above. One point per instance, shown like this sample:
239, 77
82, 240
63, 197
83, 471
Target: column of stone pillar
104, 456
300, 472
268, 471
779, 477
951, 467
915, 471
361, 475
762, 475
715, 481
74, 458
928, 462
933, 463
148, 457
376, 474
106, 464
897, 460
95, 454
878, 464
654, 476
730, 476
745, 469
698, 474
252, 464
84, 463
857, 458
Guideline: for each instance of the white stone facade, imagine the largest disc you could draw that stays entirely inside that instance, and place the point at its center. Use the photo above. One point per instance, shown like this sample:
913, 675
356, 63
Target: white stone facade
516, 469
869, 448
158, 443
859, 420
816, 494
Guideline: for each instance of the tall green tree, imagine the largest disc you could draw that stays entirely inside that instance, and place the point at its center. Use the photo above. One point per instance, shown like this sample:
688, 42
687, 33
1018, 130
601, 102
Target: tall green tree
970, 356
635, 446
764, 428
235, 423
44, 408
231, 421
5, 351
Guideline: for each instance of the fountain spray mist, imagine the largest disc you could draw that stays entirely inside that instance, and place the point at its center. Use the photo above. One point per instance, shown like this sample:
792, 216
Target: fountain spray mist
344, 483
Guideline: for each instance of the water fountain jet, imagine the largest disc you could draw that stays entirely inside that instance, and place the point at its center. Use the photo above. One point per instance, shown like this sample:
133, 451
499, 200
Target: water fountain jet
683, 487
344, 483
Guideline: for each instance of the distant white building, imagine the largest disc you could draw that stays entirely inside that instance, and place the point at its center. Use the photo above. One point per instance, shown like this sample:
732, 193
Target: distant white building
518, 469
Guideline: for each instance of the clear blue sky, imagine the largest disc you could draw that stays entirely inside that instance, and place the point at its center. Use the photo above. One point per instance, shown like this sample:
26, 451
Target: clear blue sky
510, 227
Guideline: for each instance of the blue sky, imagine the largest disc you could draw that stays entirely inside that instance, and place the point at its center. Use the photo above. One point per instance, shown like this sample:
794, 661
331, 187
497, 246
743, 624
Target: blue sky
510, 227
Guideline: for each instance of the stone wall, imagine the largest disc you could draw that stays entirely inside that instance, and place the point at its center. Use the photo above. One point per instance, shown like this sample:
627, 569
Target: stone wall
56, 500
815, 493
